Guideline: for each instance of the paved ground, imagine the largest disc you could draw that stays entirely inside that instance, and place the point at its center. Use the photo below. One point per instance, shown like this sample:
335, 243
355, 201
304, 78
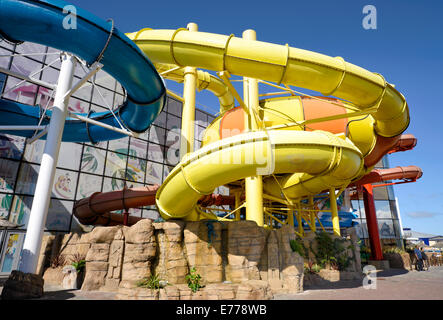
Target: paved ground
394, 284
391, 285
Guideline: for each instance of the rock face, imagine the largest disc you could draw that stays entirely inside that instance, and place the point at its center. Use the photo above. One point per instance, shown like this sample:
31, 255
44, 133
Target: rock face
236, 260
22, 286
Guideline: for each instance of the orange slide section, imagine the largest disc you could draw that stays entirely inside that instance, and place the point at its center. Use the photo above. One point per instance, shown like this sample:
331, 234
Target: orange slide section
98, 208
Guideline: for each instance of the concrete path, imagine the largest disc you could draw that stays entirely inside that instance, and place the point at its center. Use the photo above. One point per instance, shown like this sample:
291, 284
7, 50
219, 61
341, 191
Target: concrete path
395, 284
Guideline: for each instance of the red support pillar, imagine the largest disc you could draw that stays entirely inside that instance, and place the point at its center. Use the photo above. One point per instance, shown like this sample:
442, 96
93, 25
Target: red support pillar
371, 221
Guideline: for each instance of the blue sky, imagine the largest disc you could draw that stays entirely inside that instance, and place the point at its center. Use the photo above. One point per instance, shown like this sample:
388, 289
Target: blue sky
406, 48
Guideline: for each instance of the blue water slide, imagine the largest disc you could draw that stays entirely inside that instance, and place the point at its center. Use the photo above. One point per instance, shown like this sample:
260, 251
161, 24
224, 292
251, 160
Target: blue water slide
42, 22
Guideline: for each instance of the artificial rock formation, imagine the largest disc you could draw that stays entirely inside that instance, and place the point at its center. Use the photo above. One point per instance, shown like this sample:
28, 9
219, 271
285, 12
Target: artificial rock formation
236, 260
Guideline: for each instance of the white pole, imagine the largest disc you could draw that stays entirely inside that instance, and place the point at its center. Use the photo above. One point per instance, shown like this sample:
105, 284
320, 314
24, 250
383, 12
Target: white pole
45, 181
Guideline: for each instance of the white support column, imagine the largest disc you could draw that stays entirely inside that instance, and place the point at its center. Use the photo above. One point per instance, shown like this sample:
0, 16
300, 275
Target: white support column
45, 181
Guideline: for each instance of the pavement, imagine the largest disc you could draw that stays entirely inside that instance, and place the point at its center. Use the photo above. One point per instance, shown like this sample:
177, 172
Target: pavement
394, 284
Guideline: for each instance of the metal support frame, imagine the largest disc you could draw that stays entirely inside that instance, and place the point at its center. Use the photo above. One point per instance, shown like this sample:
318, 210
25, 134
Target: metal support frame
334, 212
45, 181
371, 221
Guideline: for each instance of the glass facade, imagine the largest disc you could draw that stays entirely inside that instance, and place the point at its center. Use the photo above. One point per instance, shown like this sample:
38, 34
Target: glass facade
82, 168
386, 211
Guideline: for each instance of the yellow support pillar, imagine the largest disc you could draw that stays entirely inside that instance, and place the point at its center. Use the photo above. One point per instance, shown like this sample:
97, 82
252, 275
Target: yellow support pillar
254, 184
334, 212
312, 213
291, 217
301, 231
237, 196
188, 117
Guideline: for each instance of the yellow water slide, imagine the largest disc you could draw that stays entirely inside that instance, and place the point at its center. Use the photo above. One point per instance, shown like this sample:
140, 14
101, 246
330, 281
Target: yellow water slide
293, 159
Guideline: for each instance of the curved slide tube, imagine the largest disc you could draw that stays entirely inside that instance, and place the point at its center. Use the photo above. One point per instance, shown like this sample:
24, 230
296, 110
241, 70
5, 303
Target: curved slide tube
42, 22
408, 173
332, 164
97, 208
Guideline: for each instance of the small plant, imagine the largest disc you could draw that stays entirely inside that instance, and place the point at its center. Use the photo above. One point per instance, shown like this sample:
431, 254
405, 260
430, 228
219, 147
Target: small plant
331, 253
297, 246
394, 250
153, 282
311, 267
58, 261
78, 261
193, 279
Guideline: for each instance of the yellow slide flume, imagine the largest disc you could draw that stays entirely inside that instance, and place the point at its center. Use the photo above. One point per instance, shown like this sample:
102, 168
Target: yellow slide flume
315, 160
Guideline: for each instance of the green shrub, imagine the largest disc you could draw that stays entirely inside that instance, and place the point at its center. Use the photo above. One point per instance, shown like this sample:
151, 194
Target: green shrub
298, 246
153, 282
393, 250
193, 279
331, 253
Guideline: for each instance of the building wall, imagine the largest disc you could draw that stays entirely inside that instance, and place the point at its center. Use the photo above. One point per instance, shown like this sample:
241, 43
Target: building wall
83, 168
386, 211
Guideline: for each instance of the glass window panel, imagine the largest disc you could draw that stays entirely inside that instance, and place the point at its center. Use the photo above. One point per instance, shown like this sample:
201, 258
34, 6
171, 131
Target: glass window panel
59, 215
119, 89
397, 229
115, 165
386, 229
166, 171
119, 145
4, 61
160, 120
64, 184
34, 151
45, 97
8, 173
118, 100
11, 146
175, 107
5, 204
105, 80
24, 92
172, 156
359, 206
136, 169
393, 206
77, 105
156, 152
27, 178
379, 164
383, 209
31, 47
51, 57
12, 248
362, 229
173, 138
135, 212
154, 173
50, 75
380, 193
199, 132
201, 118
70, 155
88, 184
112, 184
210, 118
138, 148
100, 144
102, 97
6, 45
157, 135
93, 160
84, 93
173, 122
26, 66
391, 194
20, 210
150, 214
